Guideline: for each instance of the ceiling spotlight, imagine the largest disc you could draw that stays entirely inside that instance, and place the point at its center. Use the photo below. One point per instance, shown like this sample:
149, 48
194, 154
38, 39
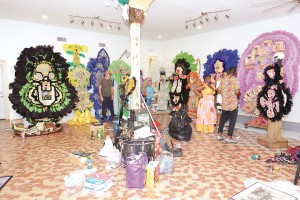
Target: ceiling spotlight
95, 20
207, 18
216, 17
227, 15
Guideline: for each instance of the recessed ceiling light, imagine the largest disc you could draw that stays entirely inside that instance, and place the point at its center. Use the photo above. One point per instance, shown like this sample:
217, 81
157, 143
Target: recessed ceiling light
199, 27
159, 36
107, 4
44, 17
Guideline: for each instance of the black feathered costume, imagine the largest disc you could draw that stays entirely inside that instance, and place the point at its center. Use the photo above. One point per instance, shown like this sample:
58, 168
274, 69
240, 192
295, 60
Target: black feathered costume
179, 94
41, 88
275, 99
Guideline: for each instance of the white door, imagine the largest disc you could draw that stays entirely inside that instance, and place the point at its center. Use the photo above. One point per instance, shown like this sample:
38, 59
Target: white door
2, 111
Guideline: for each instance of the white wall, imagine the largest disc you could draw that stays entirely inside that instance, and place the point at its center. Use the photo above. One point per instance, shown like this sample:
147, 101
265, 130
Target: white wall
16, 35
234, 38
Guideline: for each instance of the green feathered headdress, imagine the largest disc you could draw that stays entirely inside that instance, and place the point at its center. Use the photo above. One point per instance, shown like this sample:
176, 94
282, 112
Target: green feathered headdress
189, 58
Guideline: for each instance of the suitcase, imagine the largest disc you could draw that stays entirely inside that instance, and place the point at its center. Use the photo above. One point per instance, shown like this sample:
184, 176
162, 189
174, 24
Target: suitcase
146, 145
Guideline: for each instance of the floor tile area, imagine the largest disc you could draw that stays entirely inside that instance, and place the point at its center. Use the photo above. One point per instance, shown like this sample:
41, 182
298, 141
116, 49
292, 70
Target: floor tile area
208, 170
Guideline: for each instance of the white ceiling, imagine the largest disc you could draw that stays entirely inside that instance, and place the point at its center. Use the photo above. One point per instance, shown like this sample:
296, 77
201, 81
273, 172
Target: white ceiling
164, 17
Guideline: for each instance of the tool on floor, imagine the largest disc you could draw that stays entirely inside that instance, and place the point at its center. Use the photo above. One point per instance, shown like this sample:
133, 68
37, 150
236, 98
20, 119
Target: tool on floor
177, 152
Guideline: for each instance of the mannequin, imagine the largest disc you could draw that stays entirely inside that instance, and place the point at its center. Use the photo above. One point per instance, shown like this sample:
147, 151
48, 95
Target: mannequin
162, 87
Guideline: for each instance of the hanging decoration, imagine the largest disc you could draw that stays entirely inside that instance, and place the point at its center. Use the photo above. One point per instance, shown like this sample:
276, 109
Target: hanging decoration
120, 69
97, 68
124, 4
275, 99
259, 54
41, 91
80, 78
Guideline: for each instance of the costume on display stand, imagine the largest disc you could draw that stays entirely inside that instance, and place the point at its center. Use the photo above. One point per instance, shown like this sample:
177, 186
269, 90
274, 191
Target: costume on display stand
41, 91
259, 54
79, 77
179, 94
275, 99
120, 70
179, 126
162, 87
126, 88
97, 67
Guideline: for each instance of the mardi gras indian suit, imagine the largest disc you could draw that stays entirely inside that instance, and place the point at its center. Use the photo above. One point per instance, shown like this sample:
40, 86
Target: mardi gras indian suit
206, 116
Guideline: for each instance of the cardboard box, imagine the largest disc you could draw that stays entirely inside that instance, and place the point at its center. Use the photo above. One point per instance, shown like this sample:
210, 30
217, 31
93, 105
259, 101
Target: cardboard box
17, 125
98, 130
77, 160
152, 173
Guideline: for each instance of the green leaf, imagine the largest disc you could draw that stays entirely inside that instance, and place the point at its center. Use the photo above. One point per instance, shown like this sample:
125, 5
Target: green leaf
70, 52
123, 2
81, 55
31, 109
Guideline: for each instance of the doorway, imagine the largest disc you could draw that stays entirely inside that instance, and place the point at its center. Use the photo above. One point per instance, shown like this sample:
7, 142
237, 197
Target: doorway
2, 96
2, 111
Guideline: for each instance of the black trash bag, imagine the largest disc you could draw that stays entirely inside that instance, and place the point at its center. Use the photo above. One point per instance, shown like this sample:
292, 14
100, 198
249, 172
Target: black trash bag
179, 127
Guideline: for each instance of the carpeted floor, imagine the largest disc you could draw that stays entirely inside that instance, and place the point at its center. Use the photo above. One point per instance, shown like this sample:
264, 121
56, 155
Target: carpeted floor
208, 170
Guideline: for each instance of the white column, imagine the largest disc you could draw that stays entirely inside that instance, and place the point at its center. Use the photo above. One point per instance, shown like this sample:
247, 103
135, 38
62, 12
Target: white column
135, 35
